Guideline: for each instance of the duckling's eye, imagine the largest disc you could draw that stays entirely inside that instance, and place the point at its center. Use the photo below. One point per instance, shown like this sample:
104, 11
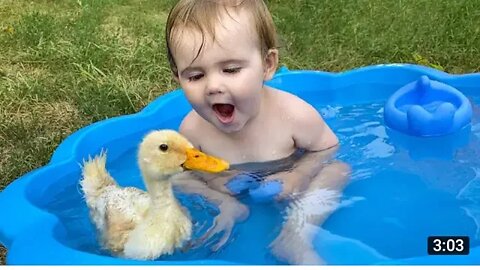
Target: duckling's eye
163, 147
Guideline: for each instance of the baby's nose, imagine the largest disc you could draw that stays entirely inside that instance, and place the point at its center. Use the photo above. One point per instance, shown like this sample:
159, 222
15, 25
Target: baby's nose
214, 86
214, 91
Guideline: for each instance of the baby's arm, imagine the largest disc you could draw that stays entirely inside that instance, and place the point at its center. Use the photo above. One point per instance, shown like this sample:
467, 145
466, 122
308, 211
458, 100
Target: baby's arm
324, 182
306, 168
310, 132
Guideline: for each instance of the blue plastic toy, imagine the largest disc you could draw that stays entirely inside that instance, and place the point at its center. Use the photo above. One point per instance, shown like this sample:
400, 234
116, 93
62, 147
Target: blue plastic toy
427, 108
44, 218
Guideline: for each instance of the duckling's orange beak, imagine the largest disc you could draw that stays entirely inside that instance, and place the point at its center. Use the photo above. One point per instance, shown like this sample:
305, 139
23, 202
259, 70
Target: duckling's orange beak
197, 160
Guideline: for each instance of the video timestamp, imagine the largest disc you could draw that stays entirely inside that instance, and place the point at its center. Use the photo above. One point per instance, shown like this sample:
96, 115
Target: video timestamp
448, 245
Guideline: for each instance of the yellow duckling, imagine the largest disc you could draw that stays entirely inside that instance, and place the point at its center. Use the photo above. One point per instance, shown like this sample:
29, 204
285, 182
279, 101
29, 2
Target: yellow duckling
144, 225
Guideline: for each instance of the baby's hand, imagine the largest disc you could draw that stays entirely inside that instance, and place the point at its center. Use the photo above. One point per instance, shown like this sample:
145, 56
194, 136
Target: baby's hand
278, 186
231, 211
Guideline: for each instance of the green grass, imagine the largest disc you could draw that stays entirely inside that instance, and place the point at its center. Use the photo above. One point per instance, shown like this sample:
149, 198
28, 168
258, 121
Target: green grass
65, 64
338, 35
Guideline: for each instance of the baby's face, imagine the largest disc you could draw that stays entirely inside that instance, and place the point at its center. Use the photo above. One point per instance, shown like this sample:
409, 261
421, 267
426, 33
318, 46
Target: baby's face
224, 83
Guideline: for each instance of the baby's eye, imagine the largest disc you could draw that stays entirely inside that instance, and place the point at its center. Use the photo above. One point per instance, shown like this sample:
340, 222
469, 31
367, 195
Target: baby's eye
195, 77
232, 70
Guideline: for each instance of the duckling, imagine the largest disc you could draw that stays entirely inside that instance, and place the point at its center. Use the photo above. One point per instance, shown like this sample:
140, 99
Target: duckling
145, 225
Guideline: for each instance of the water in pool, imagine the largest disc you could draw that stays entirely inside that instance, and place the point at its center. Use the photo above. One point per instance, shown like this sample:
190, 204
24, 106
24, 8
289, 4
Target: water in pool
399, 194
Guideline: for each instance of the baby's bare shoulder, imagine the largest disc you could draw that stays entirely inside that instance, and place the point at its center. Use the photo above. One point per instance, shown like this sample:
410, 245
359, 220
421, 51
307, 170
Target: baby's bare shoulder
192, 126
305, 117
292, 104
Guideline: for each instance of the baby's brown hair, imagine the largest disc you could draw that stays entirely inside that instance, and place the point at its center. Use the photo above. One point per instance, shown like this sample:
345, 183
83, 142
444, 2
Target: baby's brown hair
203, 16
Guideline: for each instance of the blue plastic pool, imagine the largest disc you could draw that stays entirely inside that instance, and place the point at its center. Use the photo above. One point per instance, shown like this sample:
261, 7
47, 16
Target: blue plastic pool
403, 189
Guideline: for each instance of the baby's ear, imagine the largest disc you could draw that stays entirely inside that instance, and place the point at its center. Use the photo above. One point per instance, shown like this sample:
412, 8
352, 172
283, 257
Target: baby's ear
175, 77
271, 64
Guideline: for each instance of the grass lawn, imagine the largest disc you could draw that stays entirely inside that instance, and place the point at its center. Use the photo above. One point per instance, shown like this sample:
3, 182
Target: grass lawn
65, 63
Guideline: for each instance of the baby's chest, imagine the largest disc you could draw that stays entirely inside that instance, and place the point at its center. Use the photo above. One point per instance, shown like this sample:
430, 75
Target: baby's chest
255, 149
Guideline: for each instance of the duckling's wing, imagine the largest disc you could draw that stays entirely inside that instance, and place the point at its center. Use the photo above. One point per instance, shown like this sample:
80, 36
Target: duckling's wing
140, 199
129, 202
119, 210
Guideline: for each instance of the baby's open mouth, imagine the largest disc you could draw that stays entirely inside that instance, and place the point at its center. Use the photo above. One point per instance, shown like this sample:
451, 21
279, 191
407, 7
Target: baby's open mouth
224, 112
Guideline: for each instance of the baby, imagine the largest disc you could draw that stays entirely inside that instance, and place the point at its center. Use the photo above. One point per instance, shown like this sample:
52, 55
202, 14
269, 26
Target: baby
221, 53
